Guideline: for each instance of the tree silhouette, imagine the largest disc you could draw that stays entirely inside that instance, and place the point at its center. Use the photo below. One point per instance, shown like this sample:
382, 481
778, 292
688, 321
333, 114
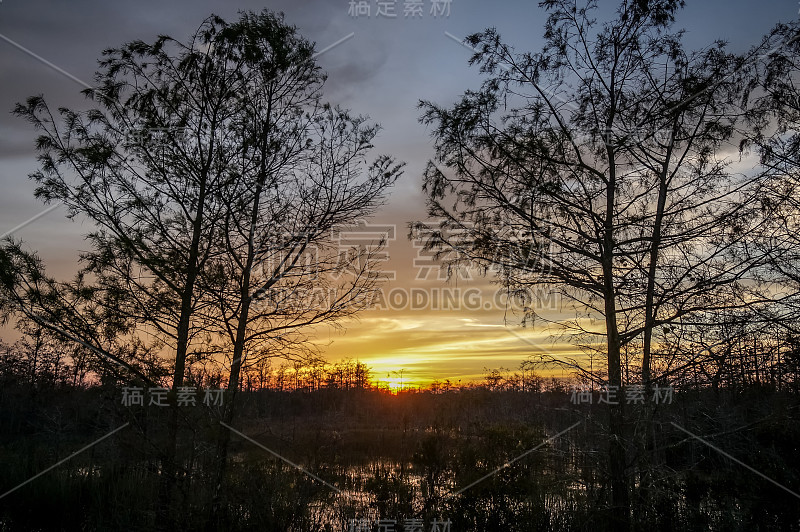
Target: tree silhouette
601, 166
201, 162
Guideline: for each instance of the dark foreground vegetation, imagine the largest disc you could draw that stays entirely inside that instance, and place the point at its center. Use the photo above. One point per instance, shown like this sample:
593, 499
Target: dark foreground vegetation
401, 457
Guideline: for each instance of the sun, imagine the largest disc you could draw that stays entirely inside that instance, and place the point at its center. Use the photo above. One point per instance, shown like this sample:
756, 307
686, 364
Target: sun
394, 384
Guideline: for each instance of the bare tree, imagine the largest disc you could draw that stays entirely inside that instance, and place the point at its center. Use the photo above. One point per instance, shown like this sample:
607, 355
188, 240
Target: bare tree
775, 116
301, 176
601, 166
171, 153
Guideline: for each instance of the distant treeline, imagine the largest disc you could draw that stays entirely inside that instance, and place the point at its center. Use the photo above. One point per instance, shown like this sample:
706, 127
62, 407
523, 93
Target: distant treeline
754, 358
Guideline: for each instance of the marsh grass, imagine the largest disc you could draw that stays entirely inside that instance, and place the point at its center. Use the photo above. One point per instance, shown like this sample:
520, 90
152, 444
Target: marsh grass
397, 457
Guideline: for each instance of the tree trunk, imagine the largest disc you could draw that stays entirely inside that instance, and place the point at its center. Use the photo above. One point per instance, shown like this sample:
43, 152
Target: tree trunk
165, 515
655, 247
619, 512
224, 435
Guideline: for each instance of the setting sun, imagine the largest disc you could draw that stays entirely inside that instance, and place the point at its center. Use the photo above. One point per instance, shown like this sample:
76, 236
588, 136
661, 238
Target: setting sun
395, 384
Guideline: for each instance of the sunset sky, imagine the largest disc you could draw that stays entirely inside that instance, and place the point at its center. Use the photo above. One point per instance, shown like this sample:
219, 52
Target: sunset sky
380, 67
